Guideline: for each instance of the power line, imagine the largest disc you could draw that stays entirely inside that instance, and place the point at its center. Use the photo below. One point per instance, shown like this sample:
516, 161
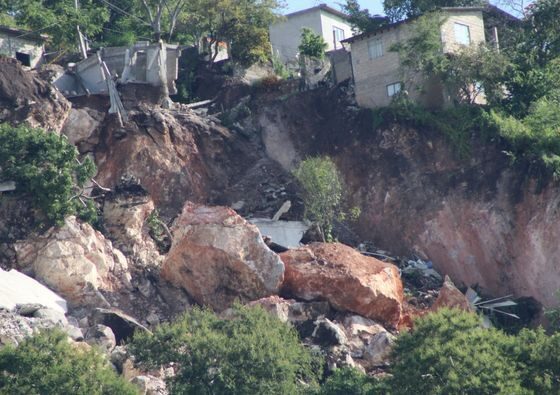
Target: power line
125, 13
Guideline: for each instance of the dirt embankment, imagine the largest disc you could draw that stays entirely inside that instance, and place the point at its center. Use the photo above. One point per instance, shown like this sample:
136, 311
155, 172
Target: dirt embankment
478, 219
25, 98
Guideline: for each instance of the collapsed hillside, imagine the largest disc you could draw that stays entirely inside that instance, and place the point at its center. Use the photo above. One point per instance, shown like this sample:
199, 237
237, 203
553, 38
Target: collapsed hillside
479, 219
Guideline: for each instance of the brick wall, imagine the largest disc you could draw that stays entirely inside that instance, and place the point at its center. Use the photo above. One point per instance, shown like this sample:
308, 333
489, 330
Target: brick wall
372, 76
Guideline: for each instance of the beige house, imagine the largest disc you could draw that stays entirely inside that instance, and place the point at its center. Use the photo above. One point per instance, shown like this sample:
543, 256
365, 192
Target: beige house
25, 46
377, 72
331, 24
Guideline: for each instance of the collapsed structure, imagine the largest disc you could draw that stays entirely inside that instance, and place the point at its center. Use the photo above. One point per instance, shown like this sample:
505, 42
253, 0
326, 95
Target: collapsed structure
142, 63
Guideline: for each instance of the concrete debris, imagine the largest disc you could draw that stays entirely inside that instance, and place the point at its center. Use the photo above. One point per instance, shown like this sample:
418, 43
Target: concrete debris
423, 267
135, 64
17, 289
282, 210
7, 186
285, 233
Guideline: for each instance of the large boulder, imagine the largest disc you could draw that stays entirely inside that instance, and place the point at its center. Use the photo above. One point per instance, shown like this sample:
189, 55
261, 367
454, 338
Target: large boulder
348, 280
126, 212
218, 257
82, 127
449, 296
75, 261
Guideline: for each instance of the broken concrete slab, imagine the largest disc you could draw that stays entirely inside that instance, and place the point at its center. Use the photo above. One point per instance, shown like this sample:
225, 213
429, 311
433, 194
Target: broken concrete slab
284, 233
18, 289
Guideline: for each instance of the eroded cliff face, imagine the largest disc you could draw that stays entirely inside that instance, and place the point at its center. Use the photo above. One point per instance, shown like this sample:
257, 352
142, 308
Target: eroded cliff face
479, 219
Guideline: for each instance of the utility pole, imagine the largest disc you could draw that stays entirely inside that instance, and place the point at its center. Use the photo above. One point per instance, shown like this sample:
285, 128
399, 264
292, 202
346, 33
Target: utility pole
81, 41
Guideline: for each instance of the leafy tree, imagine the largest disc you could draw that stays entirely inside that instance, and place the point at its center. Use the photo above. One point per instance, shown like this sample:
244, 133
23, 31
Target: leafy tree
45, 169
322, 191
360, 19
466, 73
47, 364
59, 19
536, 58
398, 10
250, 353
449, 352
536, 136
242, 24
312, 44
352, 381
539, 360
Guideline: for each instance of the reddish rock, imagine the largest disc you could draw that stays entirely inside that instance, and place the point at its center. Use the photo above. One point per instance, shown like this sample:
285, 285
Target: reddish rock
347, 279
218, 257
176, 155
450, 296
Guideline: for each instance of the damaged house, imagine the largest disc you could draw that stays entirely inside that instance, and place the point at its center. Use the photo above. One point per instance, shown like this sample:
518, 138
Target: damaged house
25, 46
142, 63
377, 70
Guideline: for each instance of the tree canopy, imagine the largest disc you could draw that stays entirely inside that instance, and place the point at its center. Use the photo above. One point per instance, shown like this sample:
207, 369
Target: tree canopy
47, 364
250, 352
360, 19
398, 10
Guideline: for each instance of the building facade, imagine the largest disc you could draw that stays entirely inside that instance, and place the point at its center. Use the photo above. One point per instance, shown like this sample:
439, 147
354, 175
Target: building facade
377, 71
25, 46
285, 35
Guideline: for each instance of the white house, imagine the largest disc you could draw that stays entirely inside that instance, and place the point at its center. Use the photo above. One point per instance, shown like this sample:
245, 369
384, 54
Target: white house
331, 24
25, 46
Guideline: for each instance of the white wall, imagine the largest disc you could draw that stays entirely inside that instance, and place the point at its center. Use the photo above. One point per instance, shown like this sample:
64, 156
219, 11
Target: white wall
328, 21
10, 45
285, 36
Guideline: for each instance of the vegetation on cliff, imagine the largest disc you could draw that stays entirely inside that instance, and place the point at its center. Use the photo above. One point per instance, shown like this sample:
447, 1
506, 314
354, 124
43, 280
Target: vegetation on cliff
48, 364
251, 352
46, 170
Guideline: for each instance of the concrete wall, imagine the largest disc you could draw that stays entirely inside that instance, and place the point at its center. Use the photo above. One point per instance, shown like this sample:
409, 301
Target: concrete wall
372, 76
472, 19
10, 45
285, 36
328, 22
341, 65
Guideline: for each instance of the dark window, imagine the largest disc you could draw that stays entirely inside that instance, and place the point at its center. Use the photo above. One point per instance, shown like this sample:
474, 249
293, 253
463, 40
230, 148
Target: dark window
24, 58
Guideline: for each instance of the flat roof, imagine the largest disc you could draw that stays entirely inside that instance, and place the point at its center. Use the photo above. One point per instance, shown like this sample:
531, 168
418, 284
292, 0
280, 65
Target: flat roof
25, 34
320, 7
405, 21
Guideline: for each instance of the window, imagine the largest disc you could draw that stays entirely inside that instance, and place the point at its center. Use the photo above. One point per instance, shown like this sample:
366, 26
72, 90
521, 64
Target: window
24, 58
393, 89
462, 34
375, 48
338, 36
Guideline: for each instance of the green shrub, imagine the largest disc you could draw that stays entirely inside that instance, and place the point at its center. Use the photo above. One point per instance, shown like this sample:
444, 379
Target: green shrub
322, 191
45, 169
351, 381
312, 44
457, 124
251, 353
449, 352
47, 364
535, 137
